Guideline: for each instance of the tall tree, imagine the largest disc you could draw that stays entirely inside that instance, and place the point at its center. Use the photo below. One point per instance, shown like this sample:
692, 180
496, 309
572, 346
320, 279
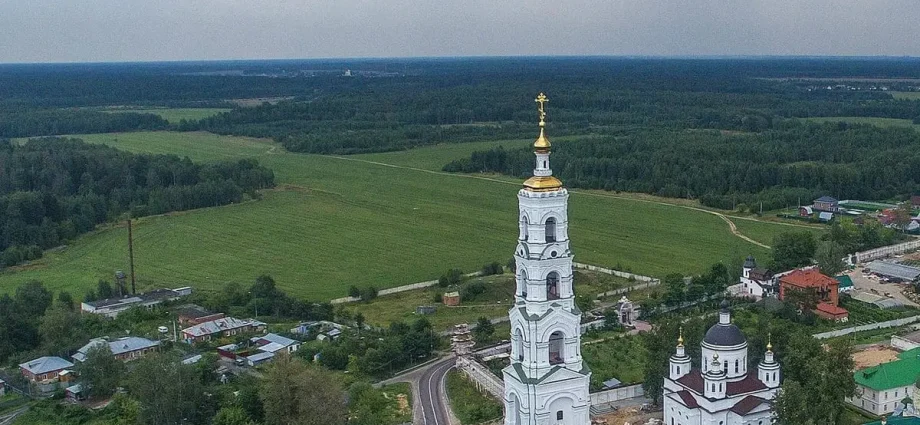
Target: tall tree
829, 257
793, 249
101, 371
60, 330
817, 381
484, 329
294, 393
169, 392
33, 299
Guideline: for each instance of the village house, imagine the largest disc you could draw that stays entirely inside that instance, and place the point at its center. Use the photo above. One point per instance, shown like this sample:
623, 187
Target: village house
755, 282
880, 389
43, 369
127, 348
112, 307
827, 204
191, 314
227, 326
273, 343
825, 288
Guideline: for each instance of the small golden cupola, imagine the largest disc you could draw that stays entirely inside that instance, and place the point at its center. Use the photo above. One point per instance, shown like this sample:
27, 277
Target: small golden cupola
542, 180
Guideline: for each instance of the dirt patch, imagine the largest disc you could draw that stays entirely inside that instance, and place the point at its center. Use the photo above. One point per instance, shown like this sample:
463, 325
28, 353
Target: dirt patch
874, 355
630, 415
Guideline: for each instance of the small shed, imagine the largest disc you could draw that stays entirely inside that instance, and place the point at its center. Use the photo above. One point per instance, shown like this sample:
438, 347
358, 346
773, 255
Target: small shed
805, 211
74, 393
451, 298
425, 310
846, 284
259, 358
2, 388
825, 216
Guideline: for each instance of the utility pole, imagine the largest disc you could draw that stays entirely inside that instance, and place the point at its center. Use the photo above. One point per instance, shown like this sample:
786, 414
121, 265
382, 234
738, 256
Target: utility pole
131, 255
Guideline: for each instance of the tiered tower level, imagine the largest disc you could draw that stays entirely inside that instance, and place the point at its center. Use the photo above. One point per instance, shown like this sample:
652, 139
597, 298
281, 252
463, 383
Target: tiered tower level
547, 382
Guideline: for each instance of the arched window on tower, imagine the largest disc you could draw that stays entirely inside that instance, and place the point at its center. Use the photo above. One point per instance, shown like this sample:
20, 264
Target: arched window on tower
736, 365
519, 344
550, 230
552, 286
522, 282
556, 348
525, 231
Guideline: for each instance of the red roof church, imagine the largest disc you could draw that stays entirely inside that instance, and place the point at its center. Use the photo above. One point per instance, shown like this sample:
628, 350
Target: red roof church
825, 287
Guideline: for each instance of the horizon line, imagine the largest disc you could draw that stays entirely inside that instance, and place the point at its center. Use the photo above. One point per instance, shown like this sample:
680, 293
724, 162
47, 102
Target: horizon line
475, 57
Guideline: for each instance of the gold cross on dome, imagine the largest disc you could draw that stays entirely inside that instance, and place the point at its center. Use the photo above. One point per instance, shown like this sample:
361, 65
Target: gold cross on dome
541, 99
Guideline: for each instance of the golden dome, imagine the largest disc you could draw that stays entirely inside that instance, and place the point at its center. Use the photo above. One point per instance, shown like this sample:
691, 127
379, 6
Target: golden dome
769, 342
680, 339
542, 184
542, 144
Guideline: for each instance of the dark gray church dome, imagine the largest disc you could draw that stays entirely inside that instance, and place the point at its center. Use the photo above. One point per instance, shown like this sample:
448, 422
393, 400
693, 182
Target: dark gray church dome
724, 335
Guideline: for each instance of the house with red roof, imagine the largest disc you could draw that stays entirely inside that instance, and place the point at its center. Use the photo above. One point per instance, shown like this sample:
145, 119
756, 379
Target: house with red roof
825, 288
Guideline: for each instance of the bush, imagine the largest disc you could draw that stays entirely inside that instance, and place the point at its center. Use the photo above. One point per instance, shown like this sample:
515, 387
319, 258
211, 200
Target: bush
453, 277
369, 293
437, 297
492, 269
472, 290
354, 291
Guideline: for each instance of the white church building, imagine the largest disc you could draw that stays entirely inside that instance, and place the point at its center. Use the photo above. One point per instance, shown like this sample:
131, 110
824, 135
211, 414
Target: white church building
546, 382
722, 391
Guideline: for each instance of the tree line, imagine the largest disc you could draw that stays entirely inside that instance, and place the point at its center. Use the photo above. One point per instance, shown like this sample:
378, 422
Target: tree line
52, 190
785, 166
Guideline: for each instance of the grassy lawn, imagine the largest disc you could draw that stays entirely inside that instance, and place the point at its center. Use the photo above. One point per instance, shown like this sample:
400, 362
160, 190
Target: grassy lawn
881, 122
401, 307
174, 115
337, 222
764, 232
470, 405
906, 95
620, 357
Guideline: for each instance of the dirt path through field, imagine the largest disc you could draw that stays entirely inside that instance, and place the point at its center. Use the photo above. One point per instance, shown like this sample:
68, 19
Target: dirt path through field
731, 224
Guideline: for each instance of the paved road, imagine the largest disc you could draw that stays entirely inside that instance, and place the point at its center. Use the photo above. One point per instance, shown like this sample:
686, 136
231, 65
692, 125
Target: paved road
432, 393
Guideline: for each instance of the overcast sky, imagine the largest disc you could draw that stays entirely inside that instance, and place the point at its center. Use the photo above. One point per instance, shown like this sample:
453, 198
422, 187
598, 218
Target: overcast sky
143, 30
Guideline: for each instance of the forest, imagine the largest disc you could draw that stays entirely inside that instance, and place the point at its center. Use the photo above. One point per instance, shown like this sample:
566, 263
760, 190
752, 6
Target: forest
724, 131
395, 104
787, 165
52, 190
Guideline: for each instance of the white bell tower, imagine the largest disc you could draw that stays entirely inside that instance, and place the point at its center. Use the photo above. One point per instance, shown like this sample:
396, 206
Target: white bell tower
546, 383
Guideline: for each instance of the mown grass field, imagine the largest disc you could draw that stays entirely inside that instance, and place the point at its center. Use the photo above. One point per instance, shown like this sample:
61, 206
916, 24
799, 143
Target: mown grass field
174, 115
765, 231
906, 95
334, 222
881, 122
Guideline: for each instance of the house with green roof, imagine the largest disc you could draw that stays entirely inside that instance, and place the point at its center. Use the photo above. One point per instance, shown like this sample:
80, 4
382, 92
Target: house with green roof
881, 388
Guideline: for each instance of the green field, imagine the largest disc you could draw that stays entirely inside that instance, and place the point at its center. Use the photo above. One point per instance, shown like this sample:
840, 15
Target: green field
764, 232
881, 122
335, 222
906, 95
174, 115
